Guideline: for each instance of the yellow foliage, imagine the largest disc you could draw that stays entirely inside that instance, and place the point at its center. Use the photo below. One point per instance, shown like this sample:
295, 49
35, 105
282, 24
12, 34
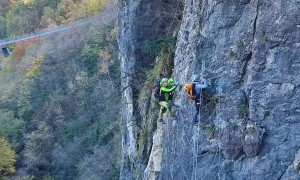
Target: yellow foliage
7, 158
104, 53
114, 32
103, 68
13, 2
27, 1
107, 59
92, 6
34, 68
70, 11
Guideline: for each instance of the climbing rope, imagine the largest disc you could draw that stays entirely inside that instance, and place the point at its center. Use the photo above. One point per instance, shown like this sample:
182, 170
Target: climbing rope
173, 154
172, 150
219, 91
209, 167
197, 129
217, 155
168, 147
174, 147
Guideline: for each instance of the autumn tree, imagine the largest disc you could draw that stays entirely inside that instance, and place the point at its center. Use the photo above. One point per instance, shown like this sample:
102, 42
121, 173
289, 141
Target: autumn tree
64, 109
20, 48
7, 158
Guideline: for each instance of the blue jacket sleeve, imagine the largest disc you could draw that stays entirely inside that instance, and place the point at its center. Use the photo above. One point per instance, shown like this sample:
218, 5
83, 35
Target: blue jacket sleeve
201, 85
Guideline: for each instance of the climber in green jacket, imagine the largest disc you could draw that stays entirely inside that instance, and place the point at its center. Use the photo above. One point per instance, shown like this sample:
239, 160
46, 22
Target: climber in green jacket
167, 86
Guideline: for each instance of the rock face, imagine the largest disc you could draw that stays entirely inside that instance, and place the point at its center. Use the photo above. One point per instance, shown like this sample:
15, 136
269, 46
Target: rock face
253, 139
296, 163
139, 21
154, 165
250, 116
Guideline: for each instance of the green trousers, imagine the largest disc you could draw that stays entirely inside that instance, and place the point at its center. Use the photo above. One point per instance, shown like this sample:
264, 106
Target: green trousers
164, 105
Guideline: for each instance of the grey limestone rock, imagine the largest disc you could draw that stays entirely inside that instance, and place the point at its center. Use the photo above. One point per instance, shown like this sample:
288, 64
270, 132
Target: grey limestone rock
253, 139
252, 48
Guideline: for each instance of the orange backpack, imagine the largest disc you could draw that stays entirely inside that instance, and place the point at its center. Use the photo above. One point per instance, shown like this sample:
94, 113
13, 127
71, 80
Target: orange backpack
188, 89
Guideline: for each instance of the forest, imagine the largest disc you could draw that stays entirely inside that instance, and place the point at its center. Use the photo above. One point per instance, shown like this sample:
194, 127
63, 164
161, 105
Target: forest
26, 16
59, 94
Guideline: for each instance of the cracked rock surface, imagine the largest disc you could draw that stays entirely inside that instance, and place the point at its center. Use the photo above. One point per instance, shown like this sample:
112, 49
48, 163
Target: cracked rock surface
249, 127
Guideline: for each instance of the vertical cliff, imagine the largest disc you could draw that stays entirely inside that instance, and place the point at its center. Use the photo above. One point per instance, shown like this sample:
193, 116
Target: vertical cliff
141, 23
249, 51
251, 48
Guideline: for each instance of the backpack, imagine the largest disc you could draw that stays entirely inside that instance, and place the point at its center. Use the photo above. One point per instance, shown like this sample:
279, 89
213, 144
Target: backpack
188, 89
156, 91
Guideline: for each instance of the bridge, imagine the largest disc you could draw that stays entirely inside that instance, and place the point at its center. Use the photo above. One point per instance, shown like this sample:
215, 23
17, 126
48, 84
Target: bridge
104, 15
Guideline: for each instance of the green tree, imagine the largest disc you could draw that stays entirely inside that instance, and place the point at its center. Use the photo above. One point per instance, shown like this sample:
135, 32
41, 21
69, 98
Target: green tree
4, 6
25, 109
49, 17
90, 7
38, 147
69, 102
65, 11
11, 128
2, 27
7, 158
21, 19
90, 168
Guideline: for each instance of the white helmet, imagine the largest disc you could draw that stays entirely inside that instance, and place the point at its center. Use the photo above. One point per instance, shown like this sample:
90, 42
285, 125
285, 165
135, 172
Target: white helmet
194, 78
164, 80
